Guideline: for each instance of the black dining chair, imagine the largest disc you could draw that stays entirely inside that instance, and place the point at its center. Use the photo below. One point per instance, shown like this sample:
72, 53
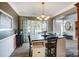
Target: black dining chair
30, 46
51, 46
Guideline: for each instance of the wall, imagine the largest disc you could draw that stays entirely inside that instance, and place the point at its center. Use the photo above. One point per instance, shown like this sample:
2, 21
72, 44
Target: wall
72, 20
70, 16
21, 18
8, 44
70, 32
5, 7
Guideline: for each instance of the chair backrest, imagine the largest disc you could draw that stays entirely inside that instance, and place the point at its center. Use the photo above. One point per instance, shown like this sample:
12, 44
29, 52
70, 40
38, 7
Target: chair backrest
51, 46
30, 42
51, 41
51, 38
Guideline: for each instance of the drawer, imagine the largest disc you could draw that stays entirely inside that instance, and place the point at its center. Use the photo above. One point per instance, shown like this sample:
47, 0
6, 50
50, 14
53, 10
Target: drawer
37, 44
38, 52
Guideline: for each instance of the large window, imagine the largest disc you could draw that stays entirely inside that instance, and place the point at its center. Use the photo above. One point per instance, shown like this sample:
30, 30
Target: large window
58, 27
34, 28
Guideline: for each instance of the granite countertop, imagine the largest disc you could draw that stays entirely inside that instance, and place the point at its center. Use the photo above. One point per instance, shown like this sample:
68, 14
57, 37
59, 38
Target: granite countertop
39, 38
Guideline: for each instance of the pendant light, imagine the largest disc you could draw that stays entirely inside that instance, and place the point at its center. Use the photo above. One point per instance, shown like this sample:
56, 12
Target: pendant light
43, 16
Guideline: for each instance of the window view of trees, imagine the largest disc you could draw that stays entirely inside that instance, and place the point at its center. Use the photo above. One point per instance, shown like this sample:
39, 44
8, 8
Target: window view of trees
35, 28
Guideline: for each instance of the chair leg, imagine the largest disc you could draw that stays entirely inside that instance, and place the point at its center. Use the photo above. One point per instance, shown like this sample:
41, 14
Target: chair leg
30, 51
55, 52
49, 52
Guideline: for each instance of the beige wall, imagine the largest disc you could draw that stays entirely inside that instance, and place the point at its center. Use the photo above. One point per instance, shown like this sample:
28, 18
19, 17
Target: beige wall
8, 44
6, 8
21, 18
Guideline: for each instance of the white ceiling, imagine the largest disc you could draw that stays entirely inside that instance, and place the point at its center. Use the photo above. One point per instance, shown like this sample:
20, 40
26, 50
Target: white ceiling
35, 8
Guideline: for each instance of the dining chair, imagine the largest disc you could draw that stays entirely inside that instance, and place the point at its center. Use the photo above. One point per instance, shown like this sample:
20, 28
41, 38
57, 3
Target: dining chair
51, 46
30, 46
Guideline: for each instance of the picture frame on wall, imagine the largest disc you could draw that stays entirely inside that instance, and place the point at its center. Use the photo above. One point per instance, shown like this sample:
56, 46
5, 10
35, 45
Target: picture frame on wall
5, 21
5, 25
68, 26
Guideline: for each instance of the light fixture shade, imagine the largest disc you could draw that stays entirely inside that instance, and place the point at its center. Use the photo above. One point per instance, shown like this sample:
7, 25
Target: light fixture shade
42, 16
38, 17
47, 18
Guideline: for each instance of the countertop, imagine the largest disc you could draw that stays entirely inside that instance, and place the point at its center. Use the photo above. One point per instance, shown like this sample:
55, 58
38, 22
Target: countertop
40, 37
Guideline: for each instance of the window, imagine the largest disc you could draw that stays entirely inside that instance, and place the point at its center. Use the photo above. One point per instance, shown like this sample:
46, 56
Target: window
58, 27
34, 28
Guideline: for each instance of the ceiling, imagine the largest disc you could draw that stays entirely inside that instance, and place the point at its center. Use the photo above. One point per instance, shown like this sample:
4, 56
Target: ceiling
35, 8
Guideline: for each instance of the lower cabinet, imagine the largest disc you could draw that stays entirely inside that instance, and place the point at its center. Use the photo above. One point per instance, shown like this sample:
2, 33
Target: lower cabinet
38, 52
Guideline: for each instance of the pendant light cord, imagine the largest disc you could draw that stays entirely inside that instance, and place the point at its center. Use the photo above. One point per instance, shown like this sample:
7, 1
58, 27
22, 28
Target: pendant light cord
42, 8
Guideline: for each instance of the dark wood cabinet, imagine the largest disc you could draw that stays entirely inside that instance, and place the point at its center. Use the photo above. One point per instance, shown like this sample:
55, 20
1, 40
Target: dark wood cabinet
19, 40
77, 8
76, 28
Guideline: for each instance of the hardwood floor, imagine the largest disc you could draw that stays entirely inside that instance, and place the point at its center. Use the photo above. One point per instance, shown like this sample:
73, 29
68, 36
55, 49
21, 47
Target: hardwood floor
71, 48
22, 51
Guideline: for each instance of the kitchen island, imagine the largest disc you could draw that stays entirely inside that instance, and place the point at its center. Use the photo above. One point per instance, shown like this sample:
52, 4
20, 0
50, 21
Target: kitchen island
38, 47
